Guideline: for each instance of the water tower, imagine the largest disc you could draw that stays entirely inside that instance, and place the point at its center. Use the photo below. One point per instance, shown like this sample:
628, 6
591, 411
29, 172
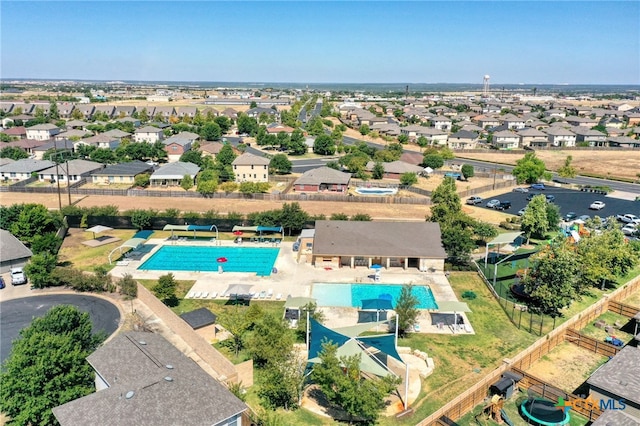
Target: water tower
485, 86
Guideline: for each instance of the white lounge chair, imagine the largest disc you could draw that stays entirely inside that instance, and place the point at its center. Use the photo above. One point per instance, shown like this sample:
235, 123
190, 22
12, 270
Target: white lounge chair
263, 294
205, 294
198, 294
213, 295
278, 296
270, 293
190, 295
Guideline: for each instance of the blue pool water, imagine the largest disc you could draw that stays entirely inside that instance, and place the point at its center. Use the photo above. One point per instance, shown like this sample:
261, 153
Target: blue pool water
196, 258
351, 295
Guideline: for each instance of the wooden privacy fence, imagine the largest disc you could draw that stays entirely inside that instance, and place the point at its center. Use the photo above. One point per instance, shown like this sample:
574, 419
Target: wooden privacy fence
623, 309
591, 344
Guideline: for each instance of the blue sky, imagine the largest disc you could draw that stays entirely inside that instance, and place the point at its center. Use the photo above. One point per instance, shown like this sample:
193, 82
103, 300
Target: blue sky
552, 42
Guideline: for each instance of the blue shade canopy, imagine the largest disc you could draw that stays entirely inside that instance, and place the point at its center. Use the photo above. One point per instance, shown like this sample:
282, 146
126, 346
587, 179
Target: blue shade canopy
377, 304
376, 266
270, 229
143, 234
385, 343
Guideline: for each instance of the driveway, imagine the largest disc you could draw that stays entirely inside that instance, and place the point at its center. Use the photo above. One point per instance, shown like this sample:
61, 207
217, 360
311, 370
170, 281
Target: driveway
16, 314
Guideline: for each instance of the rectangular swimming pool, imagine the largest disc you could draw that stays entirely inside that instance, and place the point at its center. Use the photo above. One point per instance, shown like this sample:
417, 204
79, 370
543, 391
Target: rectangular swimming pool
197, 258
351, 295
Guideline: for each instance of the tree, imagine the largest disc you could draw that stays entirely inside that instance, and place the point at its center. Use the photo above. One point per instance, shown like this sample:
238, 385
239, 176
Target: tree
434, 161
142, 180
341, 381
467, 171
408, 179
207, 187
361, 217
338, 216
364, 129
141, 218
211, 131
45, 243
39, 269
186, 183
529, 169
280, 164
534, 220
165, 290
605, 256
324, 145
128, 286
32, 220
403, 138
53, 111
47, 366
378, 171
282, 384
553, 280
247, 124
224, 122
293, 217
13, 152
226, 155
567, 171
406, 308
270, 341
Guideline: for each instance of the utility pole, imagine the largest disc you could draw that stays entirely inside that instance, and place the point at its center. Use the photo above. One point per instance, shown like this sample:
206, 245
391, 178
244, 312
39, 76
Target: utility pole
55, 150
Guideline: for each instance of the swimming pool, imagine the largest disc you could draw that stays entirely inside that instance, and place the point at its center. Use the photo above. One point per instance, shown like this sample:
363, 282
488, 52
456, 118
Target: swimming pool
377, 191
351, 295
198, 258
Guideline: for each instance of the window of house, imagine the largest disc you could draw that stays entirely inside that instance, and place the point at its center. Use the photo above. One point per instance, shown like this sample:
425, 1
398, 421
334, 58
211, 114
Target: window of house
252, 167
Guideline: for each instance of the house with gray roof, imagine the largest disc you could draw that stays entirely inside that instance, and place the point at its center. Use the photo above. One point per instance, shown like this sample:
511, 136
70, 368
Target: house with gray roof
512, 121
171, 174
616, 418
322, 179
188, 111
619, 379
107, 109
463, 139
390, 244
122, 111
71, 171
121, 173
530, 136
623, 142
42, 132
14, 253
72, 133
559, 136
23, 169
440, 122
101, 140
87, 110
588, 136
165, 111
117, 134
178, 144
395, 169
505, 139
143, 380
58, 145
148, 134
273, 114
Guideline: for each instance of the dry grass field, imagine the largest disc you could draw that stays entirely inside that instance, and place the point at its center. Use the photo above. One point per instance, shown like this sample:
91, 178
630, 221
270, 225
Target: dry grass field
622, 164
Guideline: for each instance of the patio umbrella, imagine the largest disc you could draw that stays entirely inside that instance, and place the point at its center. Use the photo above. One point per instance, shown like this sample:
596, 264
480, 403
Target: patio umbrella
98, 229
238, 289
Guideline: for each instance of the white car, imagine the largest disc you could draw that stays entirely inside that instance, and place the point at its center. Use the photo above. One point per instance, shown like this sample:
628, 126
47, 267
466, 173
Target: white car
493, 204
629, 229
520, 189
18, 276
597, 205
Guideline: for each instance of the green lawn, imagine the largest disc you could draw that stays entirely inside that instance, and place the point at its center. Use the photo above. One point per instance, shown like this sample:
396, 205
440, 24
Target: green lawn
610, 318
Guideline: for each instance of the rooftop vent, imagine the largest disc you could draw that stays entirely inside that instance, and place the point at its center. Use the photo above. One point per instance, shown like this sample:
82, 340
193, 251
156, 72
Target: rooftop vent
168, 378
142, 342
169, 367
129, 394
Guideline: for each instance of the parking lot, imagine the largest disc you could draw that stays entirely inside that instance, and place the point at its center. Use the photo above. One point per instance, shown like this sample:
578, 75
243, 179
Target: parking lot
569, 201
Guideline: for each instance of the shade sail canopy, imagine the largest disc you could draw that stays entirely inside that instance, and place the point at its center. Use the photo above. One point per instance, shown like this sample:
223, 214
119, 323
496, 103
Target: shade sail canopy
452, 306
245, 228
377, 304
176, 228
506, 238
239, 289
98, 229
133, 243
348, 346
200, 228
270, 229
298, 302
358, 329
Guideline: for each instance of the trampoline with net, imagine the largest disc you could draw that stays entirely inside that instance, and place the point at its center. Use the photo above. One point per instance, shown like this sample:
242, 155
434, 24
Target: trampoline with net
544, 412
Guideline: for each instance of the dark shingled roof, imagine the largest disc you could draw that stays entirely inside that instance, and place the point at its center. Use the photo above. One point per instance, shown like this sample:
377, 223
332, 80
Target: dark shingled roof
388, 239
617, 418
620, 376
199, 318
168, 388
11, 248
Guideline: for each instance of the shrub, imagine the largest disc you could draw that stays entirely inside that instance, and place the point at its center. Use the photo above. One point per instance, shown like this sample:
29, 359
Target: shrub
469, 295
128, 286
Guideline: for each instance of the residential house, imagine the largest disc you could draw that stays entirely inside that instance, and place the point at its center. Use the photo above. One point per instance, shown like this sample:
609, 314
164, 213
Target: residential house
581, 121
619, 379
633, 118
72, 133
171, 174
616, 417
412, 130
71, 171
440, 122
211, 149
42, 132
230, 112
123, 111
623, 142
395, 169
251, 168
57, 145
322, 179
389, 129
557, 113
6, 107
65, 109
23, 169
14, 253
148, 134
559, 136
434, 136
77, 124
256, 112
178, 144
275, 128
512, 121
142, 379
532, 137
590, 137
165, 111
134, 121
109, 110
463, 139
87, 110
505, 139
102, 141
486, 121
19, 132
188, 111
403, 245
27, 145
122, 173
616, 122
117, 134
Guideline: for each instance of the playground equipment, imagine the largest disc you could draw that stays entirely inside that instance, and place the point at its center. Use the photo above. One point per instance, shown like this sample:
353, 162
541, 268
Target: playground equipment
493, 410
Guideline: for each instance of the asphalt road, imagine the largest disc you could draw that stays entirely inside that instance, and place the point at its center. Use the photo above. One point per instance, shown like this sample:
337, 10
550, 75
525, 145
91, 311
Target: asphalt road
570, 201
16, 314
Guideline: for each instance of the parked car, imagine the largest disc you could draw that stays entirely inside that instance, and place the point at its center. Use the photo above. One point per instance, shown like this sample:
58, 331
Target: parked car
18, 276
584, 217
454, 175
629, 229
597, 205
570, 216
521, 211
520, 189
538, 186
493, 204
530, 196
2, 285
474, 200
550, 198
503, 205
628, 218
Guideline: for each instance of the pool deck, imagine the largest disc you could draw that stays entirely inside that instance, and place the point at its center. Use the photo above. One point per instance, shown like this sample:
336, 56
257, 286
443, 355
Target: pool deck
294, 279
